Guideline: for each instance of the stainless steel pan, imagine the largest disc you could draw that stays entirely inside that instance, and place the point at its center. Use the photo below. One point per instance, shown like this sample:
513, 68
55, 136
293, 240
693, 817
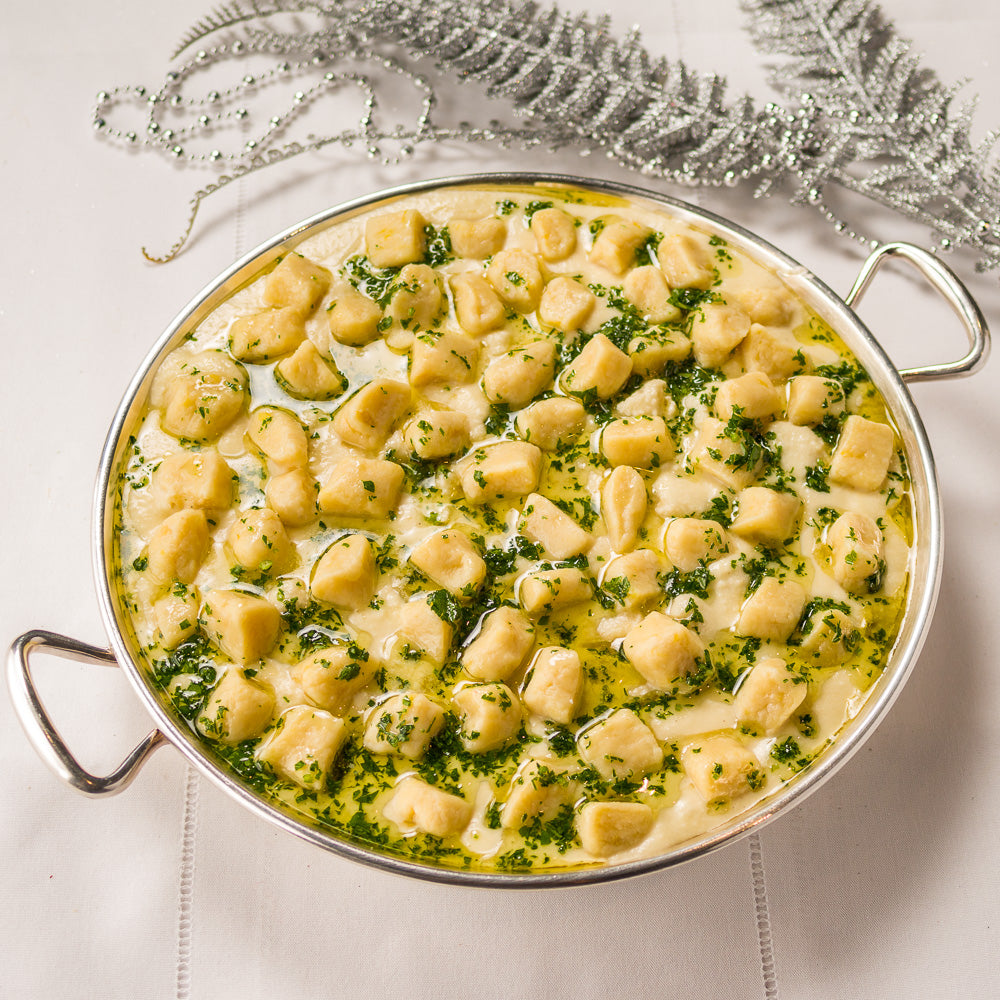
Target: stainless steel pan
924, 577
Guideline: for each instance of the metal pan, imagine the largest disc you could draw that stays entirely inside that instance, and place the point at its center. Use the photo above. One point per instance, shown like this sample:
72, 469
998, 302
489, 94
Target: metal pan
924, 576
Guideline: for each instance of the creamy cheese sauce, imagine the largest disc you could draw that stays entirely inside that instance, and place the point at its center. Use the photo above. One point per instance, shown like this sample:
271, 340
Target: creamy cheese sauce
688, 699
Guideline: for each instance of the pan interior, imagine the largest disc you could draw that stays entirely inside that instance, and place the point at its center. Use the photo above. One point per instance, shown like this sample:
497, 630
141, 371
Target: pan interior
922, 584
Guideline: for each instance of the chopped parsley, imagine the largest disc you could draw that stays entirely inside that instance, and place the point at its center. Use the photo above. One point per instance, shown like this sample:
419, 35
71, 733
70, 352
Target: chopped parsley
816, 477
378, 283
438, 246
535, 206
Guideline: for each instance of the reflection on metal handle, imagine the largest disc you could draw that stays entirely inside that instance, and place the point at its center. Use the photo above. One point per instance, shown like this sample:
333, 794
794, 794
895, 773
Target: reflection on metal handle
947, 283
43, 735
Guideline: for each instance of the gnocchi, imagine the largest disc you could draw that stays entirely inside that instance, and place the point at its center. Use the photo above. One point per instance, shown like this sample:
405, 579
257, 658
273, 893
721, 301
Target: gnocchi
506, 529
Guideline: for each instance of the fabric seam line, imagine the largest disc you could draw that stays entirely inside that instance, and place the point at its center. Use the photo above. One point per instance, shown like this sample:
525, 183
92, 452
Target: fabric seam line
763, 917
186, 891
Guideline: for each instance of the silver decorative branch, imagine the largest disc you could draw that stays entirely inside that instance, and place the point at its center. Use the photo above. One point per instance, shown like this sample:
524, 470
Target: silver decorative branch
904, 145
862, 115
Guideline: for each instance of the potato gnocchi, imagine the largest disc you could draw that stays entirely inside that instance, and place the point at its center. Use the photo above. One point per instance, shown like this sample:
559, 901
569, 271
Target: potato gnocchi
514, 529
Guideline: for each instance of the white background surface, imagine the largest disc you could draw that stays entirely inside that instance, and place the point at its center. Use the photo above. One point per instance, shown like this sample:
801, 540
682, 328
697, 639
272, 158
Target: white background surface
885, 883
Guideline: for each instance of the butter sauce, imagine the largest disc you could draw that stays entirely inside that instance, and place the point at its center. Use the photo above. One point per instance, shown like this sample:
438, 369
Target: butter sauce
355, 794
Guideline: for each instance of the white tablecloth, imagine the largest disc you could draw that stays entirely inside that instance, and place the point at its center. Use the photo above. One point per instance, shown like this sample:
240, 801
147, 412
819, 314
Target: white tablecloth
885, 883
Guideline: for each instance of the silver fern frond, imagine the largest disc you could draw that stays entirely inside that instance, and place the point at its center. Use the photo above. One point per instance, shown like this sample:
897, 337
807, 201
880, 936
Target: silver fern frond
910, 148
227, 16
558, 68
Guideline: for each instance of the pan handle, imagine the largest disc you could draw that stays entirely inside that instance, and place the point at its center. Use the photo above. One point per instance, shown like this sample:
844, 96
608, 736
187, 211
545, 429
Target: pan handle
957, 295
39, 728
